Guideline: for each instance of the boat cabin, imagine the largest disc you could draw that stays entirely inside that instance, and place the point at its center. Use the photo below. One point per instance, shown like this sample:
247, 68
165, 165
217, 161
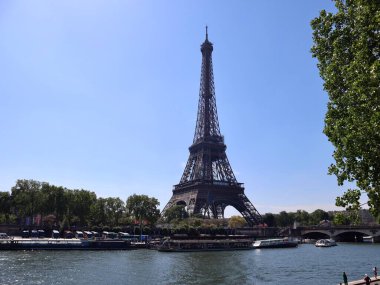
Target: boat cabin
109, 235
96, 234
122, 235
68, 234
3, 236
34, 234
55, 234
25, 234
41, 233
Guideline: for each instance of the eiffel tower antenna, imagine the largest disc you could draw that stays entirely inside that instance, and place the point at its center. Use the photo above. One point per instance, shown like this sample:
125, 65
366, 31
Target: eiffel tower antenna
208, 184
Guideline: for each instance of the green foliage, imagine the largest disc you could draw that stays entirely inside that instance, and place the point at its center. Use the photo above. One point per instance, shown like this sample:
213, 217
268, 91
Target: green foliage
8, 219
354, 217
107, 211
52, 200
67, 208
318, 216
142, 207
236, 222
25, 197
341, 219
115, 208
302, 217
98, 214
5, 207
347, 46
65, 224
176, 212
347, 218
269, 219
285, 219
349, 200
80, 204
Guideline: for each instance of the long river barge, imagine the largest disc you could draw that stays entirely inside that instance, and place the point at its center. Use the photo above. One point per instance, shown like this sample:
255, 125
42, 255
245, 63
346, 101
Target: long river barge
64, 244
188, 245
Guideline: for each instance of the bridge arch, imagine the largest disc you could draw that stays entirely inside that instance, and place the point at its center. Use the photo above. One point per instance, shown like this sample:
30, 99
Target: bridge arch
315, 235
350, 236
342, 233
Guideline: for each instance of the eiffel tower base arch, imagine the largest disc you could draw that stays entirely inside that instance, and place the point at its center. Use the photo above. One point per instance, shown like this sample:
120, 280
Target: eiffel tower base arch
210, 201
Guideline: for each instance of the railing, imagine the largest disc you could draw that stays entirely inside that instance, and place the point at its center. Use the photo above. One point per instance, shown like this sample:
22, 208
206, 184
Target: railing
338, 227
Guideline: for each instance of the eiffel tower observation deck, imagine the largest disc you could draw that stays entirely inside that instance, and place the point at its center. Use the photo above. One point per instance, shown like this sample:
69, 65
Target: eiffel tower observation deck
208, 184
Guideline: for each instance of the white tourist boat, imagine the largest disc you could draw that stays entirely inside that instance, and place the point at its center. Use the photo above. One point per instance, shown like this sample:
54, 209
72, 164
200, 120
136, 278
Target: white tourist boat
325, 243
368, 239
274, 243
208, 244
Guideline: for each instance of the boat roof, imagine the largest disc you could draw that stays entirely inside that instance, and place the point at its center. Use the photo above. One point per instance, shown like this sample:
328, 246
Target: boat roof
207, 240
272, 239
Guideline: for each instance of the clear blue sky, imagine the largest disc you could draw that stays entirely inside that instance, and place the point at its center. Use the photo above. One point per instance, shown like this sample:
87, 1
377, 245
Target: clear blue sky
102, 96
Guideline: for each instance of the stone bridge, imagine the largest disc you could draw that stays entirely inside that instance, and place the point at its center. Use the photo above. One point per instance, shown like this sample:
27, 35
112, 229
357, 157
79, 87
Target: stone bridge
339, 233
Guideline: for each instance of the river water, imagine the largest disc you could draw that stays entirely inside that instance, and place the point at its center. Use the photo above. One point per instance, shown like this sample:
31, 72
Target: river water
306, 264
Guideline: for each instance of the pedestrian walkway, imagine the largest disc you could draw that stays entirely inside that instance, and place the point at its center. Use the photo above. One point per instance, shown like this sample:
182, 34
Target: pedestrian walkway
374, 281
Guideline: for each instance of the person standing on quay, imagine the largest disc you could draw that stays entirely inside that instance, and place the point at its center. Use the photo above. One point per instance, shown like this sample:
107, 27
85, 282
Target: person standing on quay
367, 280
375, 272
345, 278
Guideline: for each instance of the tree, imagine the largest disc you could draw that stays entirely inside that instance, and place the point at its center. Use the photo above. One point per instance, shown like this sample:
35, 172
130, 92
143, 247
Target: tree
81, 204
142, 207
269, 219
317, 216
52, 200
176, 212
341, 219
5, 205
98, 215
284, 219
114, 210
236, 222
26, 198
302, 217
347, 46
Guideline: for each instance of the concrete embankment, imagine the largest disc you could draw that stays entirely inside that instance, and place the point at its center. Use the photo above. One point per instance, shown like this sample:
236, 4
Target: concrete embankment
374, 281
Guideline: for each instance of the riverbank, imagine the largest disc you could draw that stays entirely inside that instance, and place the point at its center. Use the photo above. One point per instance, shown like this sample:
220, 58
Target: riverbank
374, 281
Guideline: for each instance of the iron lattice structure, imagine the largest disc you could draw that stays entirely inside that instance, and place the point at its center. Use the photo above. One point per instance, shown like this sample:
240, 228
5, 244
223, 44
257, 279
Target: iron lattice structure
208, 184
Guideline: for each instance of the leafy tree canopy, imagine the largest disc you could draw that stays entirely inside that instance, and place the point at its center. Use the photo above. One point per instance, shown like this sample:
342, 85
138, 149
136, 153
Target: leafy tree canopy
347, 46
143, 207
318, 216
236, 222
176, 212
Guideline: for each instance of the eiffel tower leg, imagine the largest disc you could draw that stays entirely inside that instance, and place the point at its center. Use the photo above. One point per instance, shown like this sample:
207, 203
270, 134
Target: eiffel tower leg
168, 205
214, 210
248, 211
221, 213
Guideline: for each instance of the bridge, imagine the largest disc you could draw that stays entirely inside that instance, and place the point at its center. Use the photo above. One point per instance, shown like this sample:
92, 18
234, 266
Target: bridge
339, 233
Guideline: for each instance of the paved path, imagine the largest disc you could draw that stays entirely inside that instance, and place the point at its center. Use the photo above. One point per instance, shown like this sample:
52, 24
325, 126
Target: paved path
374, 281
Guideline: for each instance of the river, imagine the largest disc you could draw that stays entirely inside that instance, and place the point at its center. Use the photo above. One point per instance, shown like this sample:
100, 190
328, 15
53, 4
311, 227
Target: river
306, 264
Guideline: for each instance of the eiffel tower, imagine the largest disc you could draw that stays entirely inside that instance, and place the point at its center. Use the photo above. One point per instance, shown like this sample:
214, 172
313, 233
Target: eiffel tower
208, 184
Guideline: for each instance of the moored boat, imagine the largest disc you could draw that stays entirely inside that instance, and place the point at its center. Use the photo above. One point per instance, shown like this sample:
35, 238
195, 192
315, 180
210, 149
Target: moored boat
274, 243
37, 243
63, 244
309, 241
325, 243
368, 239
189, 245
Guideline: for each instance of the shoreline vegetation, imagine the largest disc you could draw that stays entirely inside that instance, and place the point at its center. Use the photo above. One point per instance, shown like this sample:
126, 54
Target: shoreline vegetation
32, 204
